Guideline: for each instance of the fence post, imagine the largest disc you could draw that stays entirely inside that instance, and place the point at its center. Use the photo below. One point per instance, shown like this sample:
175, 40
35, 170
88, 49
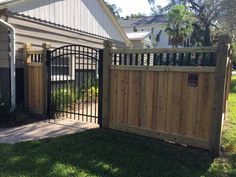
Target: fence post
27, 59
46, 47
219, 93
107, 58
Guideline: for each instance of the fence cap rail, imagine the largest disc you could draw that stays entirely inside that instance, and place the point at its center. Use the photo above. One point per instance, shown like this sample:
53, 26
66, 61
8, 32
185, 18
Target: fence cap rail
165, 50
35, 52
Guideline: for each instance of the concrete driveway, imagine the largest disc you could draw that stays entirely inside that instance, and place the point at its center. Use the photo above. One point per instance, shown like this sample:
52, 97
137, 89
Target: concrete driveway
43, 129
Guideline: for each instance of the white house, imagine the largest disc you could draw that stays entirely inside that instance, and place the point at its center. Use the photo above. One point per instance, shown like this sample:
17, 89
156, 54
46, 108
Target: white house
59, 22
142, 39
154, 25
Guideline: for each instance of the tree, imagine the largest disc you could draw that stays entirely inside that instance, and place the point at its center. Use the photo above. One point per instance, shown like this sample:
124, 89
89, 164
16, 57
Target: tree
114, 10
179, 25
228, 19
137, 15
207, 13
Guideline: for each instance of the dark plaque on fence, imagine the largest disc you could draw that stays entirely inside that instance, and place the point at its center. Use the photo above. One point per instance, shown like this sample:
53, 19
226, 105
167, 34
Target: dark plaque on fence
192, 80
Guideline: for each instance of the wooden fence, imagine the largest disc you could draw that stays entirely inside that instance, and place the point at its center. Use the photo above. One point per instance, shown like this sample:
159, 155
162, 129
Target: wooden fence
176, 95
35, 79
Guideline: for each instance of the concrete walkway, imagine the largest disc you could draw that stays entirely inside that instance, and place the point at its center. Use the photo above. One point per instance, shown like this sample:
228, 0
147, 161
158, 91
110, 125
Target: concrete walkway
43, 129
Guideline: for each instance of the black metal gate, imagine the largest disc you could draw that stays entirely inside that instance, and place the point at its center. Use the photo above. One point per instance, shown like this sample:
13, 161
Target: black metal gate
73, 83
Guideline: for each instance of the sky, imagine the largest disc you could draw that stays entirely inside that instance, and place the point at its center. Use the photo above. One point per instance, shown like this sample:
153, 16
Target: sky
134, 6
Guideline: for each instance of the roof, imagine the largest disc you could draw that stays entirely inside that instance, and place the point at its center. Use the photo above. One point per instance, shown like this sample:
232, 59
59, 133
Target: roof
137, 35
143, 21
7, 3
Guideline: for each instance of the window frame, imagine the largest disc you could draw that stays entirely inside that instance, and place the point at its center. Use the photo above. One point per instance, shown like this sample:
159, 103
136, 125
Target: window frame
70, 77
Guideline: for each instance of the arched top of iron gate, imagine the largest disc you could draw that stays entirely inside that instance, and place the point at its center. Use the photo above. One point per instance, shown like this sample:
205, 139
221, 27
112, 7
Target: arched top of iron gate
74, 49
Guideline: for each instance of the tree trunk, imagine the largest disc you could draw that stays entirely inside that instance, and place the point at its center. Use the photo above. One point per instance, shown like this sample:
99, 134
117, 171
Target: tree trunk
207, 35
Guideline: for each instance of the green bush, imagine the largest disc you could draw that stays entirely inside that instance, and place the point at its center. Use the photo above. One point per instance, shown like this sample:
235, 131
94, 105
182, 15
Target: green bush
7, 116
234, 53
64, 98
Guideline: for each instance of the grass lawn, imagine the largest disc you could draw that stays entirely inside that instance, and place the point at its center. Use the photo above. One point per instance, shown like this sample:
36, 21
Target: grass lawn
109, 153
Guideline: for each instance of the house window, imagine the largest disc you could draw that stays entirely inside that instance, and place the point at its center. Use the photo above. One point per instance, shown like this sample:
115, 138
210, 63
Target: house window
63, 68
150, 37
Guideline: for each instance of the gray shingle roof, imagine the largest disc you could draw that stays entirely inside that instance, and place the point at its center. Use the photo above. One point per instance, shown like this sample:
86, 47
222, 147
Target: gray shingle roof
142, 21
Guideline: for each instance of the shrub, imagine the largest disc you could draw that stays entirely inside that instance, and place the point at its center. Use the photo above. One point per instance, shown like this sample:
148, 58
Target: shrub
64, 98
8, 117
234, 54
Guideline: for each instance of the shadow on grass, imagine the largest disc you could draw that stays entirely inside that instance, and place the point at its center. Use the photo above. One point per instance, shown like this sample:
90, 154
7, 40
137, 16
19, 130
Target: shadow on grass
102, 153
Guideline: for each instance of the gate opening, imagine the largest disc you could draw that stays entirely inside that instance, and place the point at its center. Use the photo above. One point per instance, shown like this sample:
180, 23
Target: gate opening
74, 84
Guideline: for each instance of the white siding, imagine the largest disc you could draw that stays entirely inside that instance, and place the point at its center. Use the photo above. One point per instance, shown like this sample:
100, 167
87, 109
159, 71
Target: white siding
164, 38
4, 47
38, 33
85, 15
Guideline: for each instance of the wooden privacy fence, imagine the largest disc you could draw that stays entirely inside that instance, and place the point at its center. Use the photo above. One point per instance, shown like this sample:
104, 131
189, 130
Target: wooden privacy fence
177, 95
35, 79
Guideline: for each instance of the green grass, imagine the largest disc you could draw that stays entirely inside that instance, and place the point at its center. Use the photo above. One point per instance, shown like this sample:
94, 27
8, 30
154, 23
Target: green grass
101, 153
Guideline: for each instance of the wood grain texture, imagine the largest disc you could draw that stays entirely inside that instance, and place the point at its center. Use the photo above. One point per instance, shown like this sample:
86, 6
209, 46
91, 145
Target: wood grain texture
162, 101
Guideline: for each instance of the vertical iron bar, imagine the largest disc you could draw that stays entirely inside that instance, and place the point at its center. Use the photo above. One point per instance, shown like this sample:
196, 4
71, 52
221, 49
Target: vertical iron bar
83, 88
62, 92
70, 79
87, 84
100, 67
48, 64
79, 85
92, 85
74, 87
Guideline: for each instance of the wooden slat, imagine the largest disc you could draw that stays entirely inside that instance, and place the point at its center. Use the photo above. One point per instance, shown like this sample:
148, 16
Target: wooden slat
113, 96
162, 97
134, 98
148, 99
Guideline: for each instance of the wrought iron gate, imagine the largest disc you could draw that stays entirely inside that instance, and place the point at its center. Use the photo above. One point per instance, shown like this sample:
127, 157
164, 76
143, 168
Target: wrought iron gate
73, 84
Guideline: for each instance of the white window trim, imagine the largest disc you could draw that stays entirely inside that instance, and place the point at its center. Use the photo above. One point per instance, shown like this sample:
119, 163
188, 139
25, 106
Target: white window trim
71, 76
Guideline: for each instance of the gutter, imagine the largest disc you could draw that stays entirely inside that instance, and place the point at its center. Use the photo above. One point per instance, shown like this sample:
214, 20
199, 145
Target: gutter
12, 63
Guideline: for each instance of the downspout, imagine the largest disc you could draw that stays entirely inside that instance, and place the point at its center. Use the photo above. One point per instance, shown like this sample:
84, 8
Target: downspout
12, 63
